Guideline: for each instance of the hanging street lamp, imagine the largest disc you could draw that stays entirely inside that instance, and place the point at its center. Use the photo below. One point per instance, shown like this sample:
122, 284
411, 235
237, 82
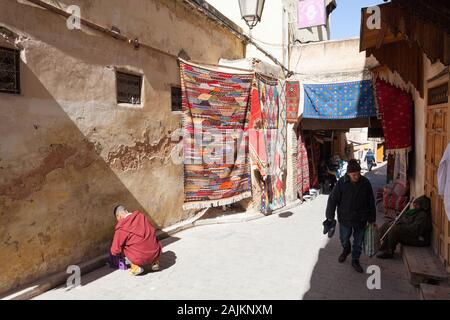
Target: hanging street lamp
251, 11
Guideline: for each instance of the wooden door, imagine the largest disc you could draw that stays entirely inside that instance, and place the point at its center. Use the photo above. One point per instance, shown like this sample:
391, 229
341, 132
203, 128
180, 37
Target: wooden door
380, 152
437, 138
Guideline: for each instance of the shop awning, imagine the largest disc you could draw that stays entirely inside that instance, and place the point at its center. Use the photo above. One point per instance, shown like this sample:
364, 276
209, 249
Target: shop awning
344, 124
408, 29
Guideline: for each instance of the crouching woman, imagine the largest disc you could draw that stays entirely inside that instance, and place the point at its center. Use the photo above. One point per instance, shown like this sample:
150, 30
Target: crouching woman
135, 237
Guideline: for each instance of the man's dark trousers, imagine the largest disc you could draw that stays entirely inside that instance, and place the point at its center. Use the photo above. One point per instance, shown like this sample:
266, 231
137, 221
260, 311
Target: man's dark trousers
345, 233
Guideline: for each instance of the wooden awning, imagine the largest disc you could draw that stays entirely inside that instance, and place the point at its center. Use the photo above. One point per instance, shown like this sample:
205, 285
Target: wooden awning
408, 29
342, 124
403, 57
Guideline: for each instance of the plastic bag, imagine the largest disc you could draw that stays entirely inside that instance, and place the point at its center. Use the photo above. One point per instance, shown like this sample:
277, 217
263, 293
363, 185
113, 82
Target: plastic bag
371, 240
117, 262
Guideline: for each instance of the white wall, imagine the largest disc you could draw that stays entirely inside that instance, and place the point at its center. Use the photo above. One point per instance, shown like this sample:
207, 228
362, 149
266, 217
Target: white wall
329, 61
268, 33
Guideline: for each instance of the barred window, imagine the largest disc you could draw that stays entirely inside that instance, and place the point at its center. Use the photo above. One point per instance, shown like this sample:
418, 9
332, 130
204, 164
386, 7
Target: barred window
128, 88
9, 71
176, 98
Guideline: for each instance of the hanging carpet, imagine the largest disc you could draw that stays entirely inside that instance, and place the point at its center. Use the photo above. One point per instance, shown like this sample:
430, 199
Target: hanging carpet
268, 139
395, 107
302, 166
292, 101
215, 117
345, 100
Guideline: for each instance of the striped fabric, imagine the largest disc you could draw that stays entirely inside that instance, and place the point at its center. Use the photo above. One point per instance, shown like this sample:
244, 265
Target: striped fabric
215, 113
269, 110
303, 182
392, 201
371, 240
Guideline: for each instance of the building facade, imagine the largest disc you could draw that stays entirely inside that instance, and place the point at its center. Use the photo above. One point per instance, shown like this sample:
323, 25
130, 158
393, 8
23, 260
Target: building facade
88, 120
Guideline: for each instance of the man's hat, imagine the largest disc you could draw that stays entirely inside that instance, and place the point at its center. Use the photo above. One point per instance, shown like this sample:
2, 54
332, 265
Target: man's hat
353, 166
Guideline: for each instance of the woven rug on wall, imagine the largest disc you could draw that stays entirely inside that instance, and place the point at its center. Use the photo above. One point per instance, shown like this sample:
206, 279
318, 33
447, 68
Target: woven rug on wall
215, 102
395, 107
292, 101
345, 100
281, 152
313, 149
257, 133
268, 140
302, 166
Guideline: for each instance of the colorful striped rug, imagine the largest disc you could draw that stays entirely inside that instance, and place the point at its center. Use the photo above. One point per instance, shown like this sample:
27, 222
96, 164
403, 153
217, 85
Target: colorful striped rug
215, 141
268, 140
302, 166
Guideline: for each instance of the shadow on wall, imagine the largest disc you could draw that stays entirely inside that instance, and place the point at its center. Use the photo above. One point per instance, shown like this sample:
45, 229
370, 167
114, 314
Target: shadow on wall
60, 212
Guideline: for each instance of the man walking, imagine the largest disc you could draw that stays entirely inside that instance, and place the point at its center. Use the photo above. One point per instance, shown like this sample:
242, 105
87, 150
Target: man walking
353, 197
370, 158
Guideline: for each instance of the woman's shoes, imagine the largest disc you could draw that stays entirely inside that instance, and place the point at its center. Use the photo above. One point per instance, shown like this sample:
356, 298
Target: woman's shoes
136, 270
155, 265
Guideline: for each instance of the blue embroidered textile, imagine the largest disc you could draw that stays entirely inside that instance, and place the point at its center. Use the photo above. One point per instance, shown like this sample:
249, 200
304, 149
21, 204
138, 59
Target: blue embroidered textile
346, 100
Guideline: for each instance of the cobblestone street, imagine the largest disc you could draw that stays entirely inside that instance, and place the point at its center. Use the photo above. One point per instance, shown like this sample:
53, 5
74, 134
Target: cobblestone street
283, 256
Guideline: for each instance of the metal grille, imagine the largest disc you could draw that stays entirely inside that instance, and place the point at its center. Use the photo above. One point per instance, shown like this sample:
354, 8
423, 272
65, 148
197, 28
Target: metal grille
9, 71
128, 88
176, 98
438, 95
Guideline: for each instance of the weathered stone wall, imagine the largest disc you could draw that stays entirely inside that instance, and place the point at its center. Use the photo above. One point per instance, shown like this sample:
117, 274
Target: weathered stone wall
68, 152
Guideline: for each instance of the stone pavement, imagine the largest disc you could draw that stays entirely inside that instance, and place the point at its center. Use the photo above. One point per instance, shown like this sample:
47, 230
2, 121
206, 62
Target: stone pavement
282, 256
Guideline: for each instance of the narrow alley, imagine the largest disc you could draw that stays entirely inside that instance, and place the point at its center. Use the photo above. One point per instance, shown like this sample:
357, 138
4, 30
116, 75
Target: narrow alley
283, 256
187, 150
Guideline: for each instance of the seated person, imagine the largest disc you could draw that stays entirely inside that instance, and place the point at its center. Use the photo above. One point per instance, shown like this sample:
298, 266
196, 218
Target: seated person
412, 229
135, 237
327, 174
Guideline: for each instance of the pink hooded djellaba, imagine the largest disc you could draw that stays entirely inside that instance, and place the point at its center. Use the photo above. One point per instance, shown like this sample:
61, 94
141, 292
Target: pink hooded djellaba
136, 238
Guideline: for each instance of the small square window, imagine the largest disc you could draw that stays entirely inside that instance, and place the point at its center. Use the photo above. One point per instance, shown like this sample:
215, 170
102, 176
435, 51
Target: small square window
128, 88
176, 98
9, 71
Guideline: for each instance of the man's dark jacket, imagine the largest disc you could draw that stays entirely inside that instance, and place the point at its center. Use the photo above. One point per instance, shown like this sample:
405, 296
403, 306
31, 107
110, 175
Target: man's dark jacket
355, 202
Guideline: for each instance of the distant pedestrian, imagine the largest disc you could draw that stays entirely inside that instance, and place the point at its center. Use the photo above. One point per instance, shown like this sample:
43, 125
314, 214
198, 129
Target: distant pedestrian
370, 159
353, 197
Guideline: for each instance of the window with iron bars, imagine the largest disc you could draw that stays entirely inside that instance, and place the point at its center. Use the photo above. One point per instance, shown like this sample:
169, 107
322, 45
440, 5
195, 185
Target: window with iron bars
9, 71
129, 88
176, 98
